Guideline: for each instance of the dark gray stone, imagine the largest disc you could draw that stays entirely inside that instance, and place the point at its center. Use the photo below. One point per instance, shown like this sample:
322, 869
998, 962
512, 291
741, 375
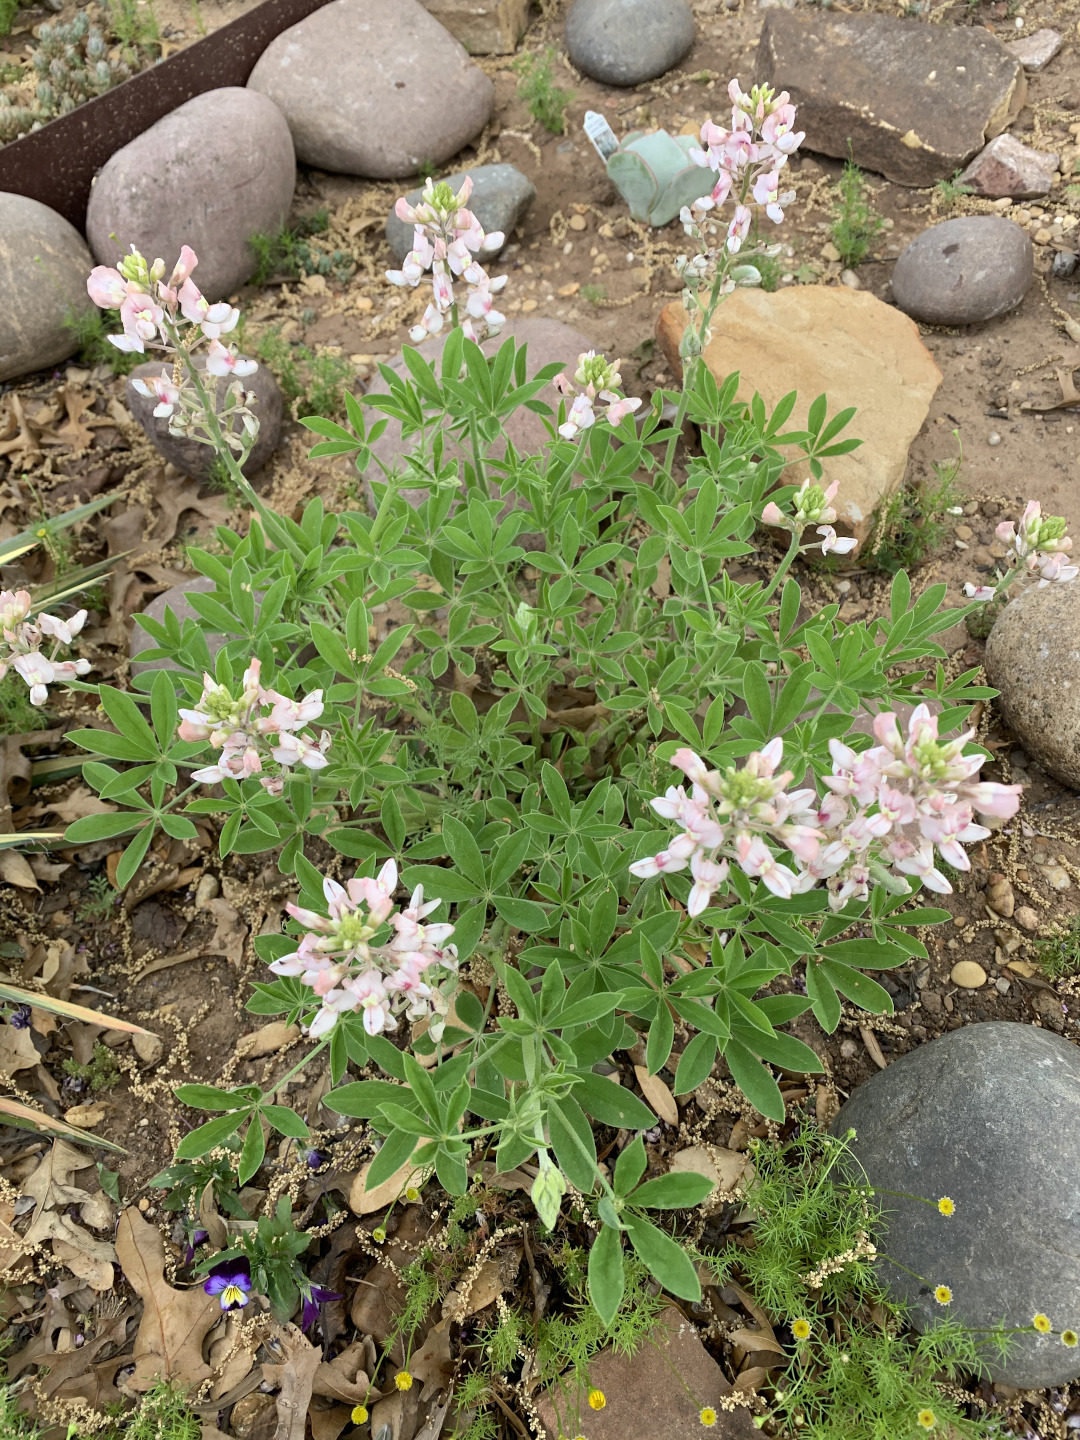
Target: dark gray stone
501, 194
192, 457
622, 42
964, 271
909, 100
211, 174
988, 1115
43, 268
375, 88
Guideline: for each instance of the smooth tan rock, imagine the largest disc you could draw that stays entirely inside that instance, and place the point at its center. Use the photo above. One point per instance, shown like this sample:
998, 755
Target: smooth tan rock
44, 263
1027, 918
845, 343
149, 1048
968, 974
484, 27
267, 1040
375, 88
999, 896
211, 174
909, 100
1033, 659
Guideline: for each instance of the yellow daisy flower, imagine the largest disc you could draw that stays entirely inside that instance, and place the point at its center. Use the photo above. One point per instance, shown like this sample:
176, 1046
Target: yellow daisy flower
403, 1380
800, 1329
927, 1419
708, 1416
1042, 1323
359, 1414
597, 1399
945, 1206
1070, 1338
943, 1295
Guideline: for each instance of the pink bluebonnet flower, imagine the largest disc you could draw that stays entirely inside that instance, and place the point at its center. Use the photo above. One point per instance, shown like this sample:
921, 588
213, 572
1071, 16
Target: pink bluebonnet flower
175, 317
1038, 546
350, 968
447, 238
893, 805
599, 379
231, 1281
159, 388
811, 505
248, 735
22, 636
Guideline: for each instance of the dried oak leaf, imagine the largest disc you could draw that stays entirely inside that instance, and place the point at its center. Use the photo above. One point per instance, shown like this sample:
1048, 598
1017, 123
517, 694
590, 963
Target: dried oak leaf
295, 1375
174, 1322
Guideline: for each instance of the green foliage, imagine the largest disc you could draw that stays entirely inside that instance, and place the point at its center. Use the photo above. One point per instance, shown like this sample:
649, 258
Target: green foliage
855, 222
100, 900
1058, 955
594, 294
312, 383
72, 64
292, 251
524, 817
769, 267
101, 1072
134, 24
13, 1424
17, 715
272, 1249
8, 10
951, 189
162, 1414
91, 329
912, 523
546, 101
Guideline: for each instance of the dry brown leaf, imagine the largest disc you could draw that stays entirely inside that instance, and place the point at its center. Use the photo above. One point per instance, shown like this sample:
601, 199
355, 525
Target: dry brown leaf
658, 1095
87, 1117
295, 1377
16, 1051
431, 1363
76, 806
15, 870
12, 1246
45, 870
230, 1360
345, 1377
98, 1273
751, 1379
328, 1424
174, 497
230, 932
366, 1202
210, 1220
873, 1049
174, 1322
725, 1168
267, 1040
493, 1277
748, 1342
396, 1414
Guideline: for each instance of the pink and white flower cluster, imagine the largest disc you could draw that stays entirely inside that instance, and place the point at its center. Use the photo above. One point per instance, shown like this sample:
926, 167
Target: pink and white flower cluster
747, 160
339, 959
173, 315
1038, 546
249, 734
600, 381
811, 504
447, 238
22, 637
890, 806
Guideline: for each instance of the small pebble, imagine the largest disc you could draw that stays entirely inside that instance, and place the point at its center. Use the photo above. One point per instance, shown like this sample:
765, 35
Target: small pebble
848, 1049
993, 438
577, 222
1057, 877
850, 279
1001, 985
1026, 918
963, 532
968, 974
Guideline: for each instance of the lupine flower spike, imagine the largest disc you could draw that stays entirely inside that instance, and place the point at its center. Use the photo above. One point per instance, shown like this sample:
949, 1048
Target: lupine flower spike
447, 238
600, 380
811, 505
24, 637
1038, 546
889, 806
337, 958
175, 317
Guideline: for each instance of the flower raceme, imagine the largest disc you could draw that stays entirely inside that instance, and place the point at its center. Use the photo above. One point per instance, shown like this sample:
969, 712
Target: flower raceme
447, 238
599, 380
811, 506
891, 805
249, 736
174, 316
1037, 545
22, 636
368, 956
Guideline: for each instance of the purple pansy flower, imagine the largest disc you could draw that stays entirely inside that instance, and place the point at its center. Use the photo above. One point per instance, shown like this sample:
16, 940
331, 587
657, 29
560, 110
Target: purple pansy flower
315, 1297
232, 1281
197, 1238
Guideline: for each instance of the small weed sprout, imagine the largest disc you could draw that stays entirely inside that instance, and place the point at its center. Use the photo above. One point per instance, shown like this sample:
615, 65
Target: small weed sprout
913, 522
101, 1072
546, 101
855, 221
101, 899
594, 294
290, 252
91, 329
951, 190
1058, 955
312, 383
17, 715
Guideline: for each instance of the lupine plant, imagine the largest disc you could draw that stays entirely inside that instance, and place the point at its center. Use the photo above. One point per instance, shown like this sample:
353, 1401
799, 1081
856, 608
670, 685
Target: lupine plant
486, 789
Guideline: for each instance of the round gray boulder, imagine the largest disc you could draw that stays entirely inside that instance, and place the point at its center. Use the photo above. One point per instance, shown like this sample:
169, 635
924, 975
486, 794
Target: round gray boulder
623, 42
988, 1115
964, 271
44, 263
1033, 659
501, 194
192, 457
375, 88
211, 174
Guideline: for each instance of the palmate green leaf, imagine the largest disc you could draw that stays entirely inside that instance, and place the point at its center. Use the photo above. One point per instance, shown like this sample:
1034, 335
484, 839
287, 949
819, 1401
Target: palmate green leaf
573, 1143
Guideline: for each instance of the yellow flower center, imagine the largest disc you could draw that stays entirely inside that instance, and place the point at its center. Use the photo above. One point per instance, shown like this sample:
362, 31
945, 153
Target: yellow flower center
359, 1414
708, 1416
233, 1295
597, 1400
403, 1380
